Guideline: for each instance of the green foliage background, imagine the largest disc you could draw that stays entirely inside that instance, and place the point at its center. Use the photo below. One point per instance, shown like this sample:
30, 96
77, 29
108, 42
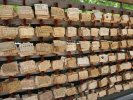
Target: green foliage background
106, 3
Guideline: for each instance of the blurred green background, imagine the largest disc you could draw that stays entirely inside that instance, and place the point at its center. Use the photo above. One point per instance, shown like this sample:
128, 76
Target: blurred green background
106, 3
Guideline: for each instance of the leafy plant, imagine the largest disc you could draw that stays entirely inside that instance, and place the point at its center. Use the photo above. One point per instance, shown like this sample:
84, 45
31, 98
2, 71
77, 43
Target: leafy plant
127, 6
106, 3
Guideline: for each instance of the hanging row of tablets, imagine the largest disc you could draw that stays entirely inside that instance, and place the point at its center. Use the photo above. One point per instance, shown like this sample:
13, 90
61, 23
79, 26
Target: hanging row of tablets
61, 47
48, 31
97, 85
42, 11
30, 66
